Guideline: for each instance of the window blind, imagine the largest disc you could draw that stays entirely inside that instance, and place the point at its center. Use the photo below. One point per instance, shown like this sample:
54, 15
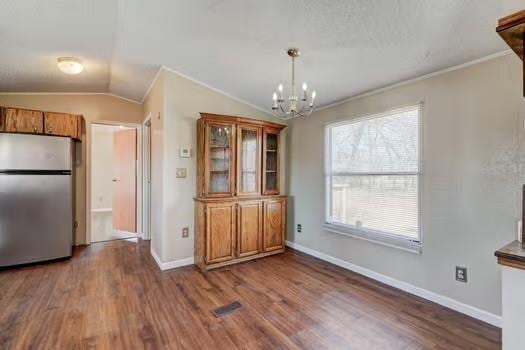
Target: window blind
373, 174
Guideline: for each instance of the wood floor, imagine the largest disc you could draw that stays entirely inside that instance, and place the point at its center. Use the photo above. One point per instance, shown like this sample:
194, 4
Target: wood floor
112, 296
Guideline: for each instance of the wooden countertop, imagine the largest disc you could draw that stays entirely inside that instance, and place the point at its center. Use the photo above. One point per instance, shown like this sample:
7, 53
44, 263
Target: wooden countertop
513, 255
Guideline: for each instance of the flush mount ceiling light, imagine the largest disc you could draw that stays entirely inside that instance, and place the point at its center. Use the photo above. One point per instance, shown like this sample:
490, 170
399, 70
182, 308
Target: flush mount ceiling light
295, 107
70, 65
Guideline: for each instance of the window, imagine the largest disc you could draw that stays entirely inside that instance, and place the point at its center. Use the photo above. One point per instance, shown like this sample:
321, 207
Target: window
373, 177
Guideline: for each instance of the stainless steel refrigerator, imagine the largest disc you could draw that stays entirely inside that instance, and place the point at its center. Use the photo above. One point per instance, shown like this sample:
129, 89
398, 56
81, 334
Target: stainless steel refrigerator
36, 198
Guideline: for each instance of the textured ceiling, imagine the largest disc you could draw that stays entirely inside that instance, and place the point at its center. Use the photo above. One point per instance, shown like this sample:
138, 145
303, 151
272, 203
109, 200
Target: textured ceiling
33, 33
238, 46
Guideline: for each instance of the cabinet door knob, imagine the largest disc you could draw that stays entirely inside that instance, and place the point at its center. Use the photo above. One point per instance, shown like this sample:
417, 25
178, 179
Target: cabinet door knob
34, 128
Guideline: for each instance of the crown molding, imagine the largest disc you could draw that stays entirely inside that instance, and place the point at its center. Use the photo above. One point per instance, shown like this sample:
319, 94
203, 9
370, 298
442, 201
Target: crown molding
201, 83
345, 100
416, 79
269, 112
72, 94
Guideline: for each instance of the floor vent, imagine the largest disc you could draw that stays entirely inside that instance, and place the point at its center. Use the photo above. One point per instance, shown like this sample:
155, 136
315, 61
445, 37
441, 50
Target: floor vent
226, 309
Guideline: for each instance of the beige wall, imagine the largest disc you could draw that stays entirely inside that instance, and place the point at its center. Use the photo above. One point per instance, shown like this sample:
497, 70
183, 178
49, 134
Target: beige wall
154, 108
183, 100
94, 107
473, 170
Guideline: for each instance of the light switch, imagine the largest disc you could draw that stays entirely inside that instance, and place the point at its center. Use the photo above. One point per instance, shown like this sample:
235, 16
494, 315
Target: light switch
185, 152
181, 172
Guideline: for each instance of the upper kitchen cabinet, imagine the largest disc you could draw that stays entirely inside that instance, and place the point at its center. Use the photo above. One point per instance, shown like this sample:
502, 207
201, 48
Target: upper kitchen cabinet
63, 124
38, 122
2, 118
22, 120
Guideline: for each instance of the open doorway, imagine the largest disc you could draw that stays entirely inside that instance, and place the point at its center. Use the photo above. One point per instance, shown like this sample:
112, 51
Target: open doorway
113, 182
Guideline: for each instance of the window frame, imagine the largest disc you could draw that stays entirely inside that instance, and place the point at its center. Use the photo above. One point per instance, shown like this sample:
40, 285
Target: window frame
375, 236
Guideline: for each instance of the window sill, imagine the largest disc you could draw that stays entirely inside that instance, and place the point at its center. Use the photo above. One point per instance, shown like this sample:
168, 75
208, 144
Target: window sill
401, 243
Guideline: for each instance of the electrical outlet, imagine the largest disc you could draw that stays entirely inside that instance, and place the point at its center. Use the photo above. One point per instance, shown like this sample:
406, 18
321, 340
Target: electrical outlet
299, 228
180, 173
461, 274
185, 232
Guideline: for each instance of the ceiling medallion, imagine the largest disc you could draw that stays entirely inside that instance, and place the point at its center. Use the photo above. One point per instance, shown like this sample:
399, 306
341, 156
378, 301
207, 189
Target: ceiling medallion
294, 107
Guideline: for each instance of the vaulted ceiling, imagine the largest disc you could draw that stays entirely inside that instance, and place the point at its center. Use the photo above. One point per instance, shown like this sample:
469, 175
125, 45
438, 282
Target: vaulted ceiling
239, 46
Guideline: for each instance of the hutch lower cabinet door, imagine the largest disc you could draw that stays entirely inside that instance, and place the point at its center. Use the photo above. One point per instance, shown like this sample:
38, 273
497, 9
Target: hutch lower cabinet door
274, 224
229, 232
249, 228
220, 232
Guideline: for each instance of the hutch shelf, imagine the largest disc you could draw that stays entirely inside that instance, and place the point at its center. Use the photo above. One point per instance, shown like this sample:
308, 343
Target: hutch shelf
239, 212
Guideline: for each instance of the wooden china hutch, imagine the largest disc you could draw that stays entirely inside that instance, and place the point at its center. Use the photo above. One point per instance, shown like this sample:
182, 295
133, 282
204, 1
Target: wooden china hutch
239, 212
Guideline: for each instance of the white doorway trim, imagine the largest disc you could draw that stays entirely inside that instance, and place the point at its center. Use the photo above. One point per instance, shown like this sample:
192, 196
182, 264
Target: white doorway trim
89, 155
146, 178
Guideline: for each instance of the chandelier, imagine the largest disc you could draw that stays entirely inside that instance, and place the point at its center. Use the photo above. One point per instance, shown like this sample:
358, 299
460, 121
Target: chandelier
294, 107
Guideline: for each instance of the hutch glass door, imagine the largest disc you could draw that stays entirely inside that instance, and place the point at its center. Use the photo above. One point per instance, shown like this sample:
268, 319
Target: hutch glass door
271, 162
248, 160
220, 159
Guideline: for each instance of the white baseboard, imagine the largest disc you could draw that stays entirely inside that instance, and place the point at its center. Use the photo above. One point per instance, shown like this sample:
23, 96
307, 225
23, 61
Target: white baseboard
141, 235
450, 303
171, 264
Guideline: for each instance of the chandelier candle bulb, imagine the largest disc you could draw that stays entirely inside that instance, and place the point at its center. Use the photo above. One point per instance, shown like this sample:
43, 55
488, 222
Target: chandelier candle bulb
274, 101
280, 88
305, 92
314, 94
